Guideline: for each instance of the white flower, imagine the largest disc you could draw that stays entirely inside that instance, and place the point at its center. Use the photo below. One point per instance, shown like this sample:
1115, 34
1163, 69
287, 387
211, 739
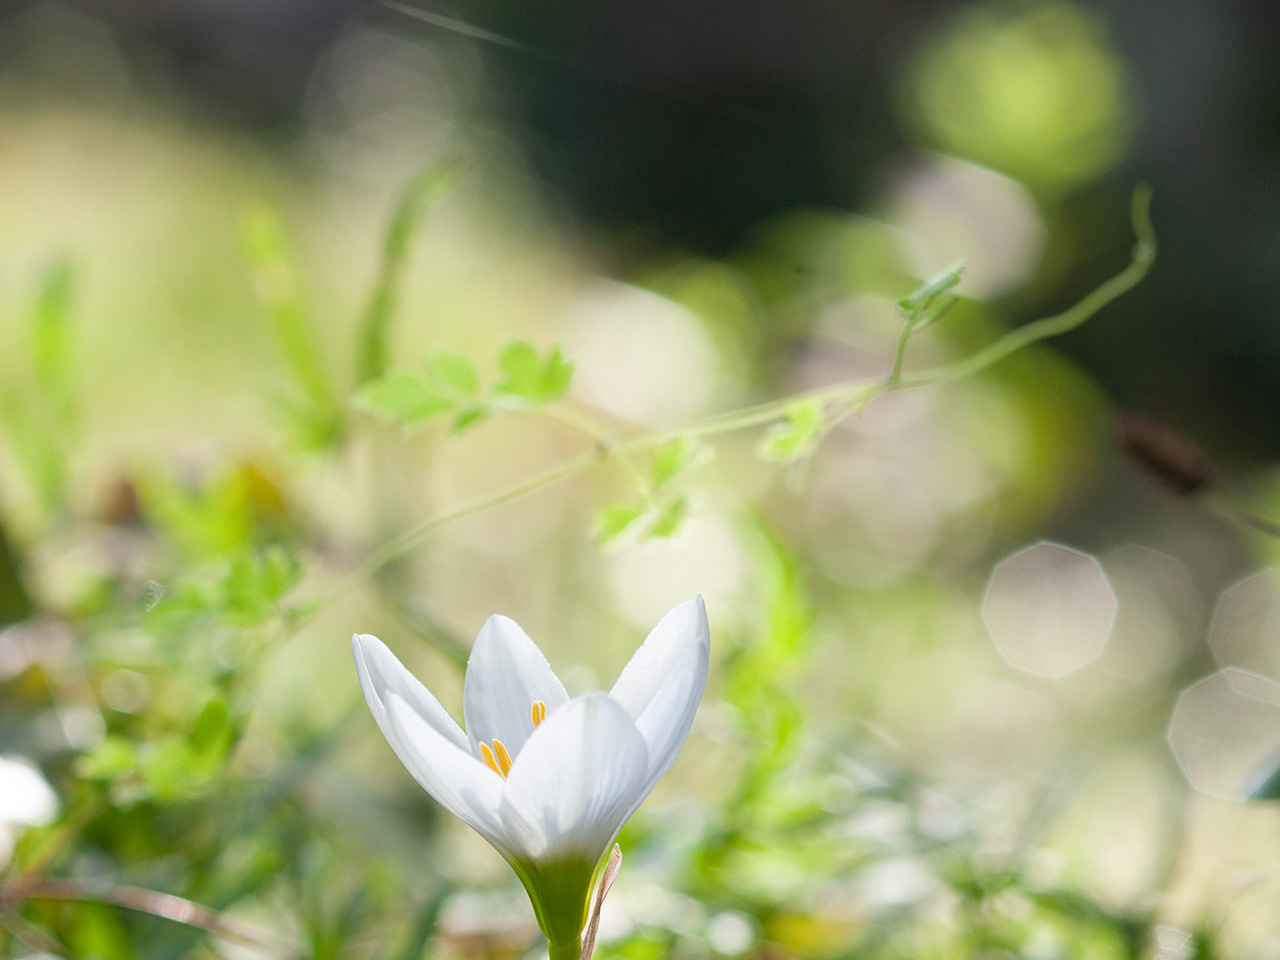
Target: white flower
548, 780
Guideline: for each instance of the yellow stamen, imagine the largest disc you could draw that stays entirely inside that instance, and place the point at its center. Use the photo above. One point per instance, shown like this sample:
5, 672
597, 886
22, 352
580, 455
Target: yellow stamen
504, 758
487, 755
539, 712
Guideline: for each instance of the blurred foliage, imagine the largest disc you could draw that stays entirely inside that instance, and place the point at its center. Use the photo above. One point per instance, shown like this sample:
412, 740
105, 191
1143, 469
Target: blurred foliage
176, 783
418, 427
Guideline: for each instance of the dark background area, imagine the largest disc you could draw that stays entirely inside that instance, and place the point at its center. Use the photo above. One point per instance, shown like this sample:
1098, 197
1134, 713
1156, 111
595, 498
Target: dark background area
683, 125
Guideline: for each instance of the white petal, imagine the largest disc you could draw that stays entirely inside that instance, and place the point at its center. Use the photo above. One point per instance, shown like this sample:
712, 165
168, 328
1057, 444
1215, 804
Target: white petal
506, 673
457, 780
682, 628
382, 674
665, 723
576, 781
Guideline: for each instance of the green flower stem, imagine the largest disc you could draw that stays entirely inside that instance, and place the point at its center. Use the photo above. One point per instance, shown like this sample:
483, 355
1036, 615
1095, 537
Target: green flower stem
847, 396
560, 893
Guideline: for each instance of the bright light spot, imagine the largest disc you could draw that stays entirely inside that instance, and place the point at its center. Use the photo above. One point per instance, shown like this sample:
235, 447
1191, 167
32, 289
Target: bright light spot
1173, 944
380, 101
26, 799
125, 690
82, 725
1034, 90
872, 520
496, 913
951, 210
1049, 609
1246, 624
1225, 730
730, 933
641, 356
894, 882
650, 578
1160, 612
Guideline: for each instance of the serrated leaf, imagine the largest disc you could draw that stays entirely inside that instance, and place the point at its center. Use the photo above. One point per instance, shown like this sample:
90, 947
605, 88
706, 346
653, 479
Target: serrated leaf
556, 374
452, 375
402, 398
530, 380
614, 519
794, 437
520, 368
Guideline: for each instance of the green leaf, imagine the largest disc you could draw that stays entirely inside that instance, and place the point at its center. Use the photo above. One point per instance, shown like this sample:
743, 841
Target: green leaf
521, 370
795, 437
931, 289
454, 376
424, 190
614, 519
212, 732
673, 458
669, 520
557, 372
402, 398
280, 293
468, 417
931, 299
112, 758
97, 932
51, 337
529, 380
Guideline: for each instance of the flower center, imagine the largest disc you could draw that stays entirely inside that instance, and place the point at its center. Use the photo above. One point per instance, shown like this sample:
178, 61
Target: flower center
497, 757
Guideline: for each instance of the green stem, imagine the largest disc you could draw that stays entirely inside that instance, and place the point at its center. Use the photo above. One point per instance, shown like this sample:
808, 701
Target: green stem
569, 950
900, 354
402, 544
587, 425
851, 394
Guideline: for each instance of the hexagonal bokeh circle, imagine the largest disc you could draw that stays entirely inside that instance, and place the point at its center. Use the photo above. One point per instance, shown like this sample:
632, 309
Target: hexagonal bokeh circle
1245, 631
1225, 732
1049, 609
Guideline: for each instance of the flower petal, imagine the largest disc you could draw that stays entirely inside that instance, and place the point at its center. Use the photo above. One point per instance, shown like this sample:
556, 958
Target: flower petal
506, 673
667, 719
456, 779
382, 674
573, 786
682, 628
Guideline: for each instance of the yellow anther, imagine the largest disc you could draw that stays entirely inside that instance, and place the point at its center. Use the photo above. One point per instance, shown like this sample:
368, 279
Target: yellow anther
487, 755
539, 711
504, 758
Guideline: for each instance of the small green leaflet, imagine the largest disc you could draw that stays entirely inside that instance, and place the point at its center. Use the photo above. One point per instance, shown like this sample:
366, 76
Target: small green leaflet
674, 457
402, 398
453, 375
451, 384
641, 521
795, 437
929, 301
529, 380
613, 520
659, 513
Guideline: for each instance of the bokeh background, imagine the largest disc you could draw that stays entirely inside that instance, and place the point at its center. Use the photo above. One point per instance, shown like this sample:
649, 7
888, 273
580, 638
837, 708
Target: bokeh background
980, 687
